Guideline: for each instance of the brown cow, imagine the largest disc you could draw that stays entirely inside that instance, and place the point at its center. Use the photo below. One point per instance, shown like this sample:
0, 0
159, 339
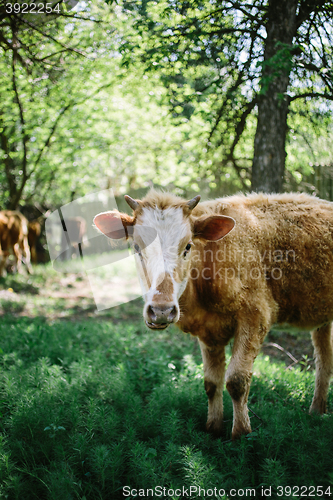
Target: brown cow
274, 267
34, 230
14, 238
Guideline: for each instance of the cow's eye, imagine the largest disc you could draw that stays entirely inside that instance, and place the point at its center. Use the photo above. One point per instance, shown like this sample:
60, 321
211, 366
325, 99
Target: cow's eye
137, 249
187, 249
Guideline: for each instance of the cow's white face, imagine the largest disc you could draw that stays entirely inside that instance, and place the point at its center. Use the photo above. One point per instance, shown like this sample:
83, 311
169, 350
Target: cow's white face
162, 240
163, 263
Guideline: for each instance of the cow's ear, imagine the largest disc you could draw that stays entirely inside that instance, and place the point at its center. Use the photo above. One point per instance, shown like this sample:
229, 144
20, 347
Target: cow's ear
213, 228
115, 225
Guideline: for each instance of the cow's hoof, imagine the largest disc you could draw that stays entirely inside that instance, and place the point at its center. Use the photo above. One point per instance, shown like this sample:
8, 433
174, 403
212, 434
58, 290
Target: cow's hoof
214, 428
238, 433
318, 407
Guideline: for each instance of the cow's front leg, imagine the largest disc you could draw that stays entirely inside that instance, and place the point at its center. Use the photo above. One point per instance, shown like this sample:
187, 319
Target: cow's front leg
214, 369
238, 378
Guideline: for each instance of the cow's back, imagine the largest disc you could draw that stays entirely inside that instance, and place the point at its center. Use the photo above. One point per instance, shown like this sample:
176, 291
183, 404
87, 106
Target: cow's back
280, 252
17, 226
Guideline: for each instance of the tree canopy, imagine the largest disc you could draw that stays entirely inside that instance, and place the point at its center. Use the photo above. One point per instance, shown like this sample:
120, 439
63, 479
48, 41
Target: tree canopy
74, 120
182, 95
243, 59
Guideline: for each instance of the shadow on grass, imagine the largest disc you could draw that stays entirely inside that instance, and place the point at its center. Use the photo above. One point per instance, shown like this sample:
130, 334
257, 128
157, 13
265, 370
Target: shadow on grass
90, 407
19, 284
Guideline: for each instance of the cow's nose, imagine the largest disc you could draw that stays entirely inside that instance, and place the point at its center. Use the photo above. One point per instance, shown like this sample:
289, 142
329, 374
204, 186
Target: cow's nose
159, 315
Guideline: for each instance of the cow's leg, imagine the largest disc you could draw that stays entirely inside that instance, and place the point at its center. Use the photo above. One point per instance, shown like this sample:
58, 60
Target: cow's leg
214, 369
3, 259
18, 257
322, 342
239, 374
33, 254
5, 256
26, 253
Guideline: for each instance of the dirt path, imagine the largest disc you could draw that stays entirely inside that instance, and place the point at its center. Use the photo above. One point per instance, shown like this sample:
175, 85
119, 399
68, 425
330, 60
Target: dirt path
67, 295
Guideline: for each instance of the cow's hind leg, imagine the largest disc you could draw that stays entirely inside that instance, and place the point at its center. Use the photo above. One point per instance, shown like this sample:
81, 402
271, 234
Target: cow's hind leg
18, 258
26, 254
3, 260
214, 369
322, 342
28, 259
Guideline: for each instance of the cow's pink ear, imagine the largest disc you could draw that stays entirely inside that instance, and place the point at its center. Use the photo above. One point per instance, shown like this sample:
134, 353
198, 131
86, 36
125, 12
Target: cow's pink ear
115, 225
213, 228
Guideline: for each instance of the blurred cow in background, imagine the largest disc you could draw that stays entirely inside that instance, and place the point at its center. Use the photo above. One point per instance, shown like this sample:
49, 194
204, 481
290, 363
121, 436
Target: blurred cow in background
14, 239
34, 230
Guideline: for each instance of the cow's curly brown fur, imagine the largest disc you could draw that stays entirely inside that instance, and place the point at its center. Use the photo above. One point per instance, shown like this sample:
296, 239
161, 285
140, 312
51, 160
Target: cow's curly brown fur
277, 267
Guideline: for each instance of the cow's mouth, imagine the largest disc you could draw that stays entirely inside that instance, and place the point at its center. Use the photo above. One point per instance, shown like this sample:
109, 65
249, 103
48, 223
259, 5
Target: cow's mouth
157, 326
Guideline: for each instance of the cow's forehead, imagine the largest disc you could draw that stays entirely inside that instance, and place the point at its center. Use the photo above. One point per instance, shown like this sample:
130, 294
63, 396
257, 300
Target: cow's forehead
170, 225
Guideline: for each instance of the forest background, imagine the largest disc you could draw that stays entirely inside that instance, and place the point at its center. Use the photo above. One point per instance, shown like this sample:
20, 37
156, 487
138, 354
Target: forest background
191, 96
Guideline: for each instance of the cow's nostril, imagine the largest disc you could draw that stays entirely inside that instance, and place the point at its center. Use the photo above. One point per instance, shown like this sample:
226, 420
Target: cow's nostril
161, 314
151, 313
172, 314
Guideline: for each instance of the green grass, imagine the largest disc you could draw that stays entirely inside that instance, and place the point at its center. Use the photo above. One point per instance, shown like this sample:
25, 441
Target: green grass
92, 405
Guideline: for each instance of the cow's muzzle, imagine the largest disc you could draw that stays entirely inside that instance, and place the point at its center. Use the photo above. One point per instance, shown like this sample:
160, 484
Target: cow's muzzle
159, 317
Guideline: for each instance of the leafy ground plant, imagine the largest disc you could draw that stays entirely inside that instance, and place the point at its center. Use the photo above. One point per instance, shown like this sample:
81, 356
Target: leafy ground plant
98, 407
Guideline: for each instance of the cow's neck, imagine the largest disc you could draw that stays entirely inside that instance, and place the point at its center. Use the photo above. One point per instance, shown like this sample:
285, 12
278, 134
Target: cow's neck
209, 325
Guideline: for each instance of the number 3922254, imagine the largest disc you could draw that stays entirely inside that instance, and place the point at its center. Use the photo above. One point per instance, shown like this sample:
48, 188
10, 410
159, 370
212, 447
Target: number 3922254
33, 8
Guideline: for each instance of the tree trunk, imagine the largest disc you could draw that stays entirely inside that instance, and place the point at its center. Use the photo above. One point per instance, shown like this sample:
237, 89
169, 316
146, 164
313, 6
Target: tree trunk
269, 143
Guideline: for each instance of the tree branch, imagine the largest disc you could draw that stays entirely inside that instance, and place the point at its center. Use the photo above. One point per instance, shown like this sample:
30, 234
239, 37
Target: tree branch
70, 49
311, 94
51, 55
241, 125
25, 136
238, 171
47, 142
312, 67
22, 120
220, 113
62, 112
9, 165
